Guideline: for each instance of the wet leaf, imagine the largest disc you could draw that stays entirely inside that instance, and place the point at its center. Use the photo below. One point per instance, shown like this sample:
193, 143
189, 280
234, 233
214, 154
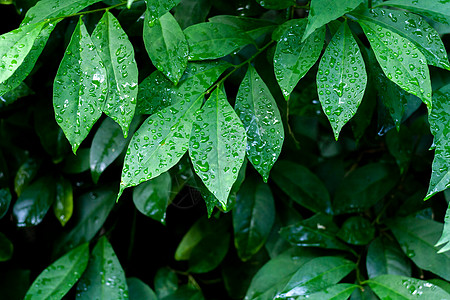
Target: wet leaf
22, 90
214, 40
254, 28
166, 46
104, 277
324, 11
117, 55
400, 60
261, 118
63, 206
78, 106
138, 290
190, 12
217, 145
5, 201
55, 281
341, 291
401, 287
25, 174
294, 58
158, 8
445, 237
209, 252
166, 282
341, 79
6, 248
276, 4
436, 10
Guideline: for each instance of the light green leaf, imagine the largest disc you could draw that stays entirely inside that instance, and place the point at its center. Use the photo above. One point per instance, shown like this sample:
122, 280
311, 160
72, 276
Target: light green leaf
217, 145
398, 287
5, 201
254, 28
138, 290
324, 11
129, 3
190, 12
253, 217
413, 28
400, 60
417, 238
261, 118
158, 8
341, 79
80, 87
104, 277
63, 206
117, 54
276, 4
55, 281
341, 291
293, 58
436, 10
214, 40
6, 248
152, 197
445, 237
445, 285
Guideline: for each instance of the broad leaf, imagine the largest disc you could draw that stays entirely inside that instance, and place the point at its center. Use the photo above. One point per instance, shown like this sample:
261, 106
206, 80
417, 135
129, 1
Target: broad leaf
104, 277
117, 54
5, 201
325, 11
417, 238
253, 217
217, 145
445, 237
63, 206
158, 8
356, 230
190, 12
166, 46
165, 282
293, 58
400, 60
209, 252
341, 291
6, 248
76, 163
276, 4
138, 290
254, 28
25, 174
341, 79
80, 87
261, 118
436, 10
214, 40
55, 281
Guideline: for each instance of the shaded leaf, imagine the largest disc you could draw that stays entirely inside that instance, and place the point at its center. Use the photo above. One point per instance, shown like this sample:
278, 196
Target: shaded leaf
25, 174
209, 252
356, 230
190, 12
5, 201
22, 90
6, 248
445, 236
158, 8
166, 282
254, 28
138, 290
436, 10
276, 4
77, 163
63, 206
14, 283
185, 292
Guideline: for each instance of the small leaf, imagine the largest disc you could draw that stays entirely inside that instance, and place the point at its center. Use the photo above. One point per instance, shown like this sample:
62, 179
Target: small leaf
166, 282
341, 79
261, 118
5, 201
63, 206
356, 231
276, 4
217, 145
138, 290
158, 8
25, 174
214, 40
436, 10
190, 12
166, 46
209, 252
78, 106
55, 281
129, 3
117, 55
6, 248
445, 236
104, 277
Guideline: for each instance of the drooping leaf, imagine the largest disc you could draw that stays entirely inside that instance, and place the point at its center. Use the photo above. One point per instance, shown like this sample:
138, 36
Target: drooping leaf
417, 238
166, 46
293, 58
276, 4
117, 54
356, 230
341, 291
5, 201
303, 186
445, 236
400, 60
165, 282
253, 217
436, 10
129, 3
217, 145
254, 28
158, 8
261, 118
209, 252
324, 11
80, 87
341, 79
63, 206
104, 277
138, 290
25, 174
190, 12
6, 248
214, 40
55, 281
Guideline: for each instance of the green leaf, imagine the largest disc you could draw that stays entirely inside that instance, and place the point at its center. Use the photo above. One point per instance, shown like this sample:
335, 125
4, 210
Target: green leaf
63, 206
341, 291
190, 12
341, 79
138, 290
436, 10
129, 3
152, 197
417, 237
209, 252
315, 275
185, 292
276, 4
166, 282
55, 281
293, 58
445, 285
384, 256
158, 8
25, 174
49, 9
397, 287
159, 143
34, 202
400, 144
214, 40
261, 118
253, 217
325, 11
78, 106
254, 28
14, 283
104, 277
117, 55
356, 231
217, 145
6, 248
364, 187
445, 237
303, 186
22, 90
413, 28
400, 60
5, 201
75, 164
166, 46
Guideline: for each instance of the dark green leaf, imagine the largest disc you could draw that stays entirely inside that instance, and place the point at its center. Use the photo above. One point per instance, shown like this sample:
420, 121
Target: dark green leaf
185, 292
341, 291
25, 174
138, 290
445, 237
190, 12
436, 10
55, 281
158, 8
166, 282
6, 248
356, 231
22, 90
400, 145
254, 28
63, 206
209, 252
104, 277
261, 118
14, 283
5, 201
276, 4
77, 163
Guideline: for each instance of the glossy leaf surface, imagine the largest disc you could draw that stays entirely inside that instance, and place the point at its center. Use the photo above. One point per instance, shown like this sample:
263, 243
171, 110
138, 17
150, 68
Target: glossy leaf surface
158, 8
138, 290
6, 248
209, 252
356, 231
63, 206
341, 291
25, 174
436, 10
445, 237
261, 118
5, 201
